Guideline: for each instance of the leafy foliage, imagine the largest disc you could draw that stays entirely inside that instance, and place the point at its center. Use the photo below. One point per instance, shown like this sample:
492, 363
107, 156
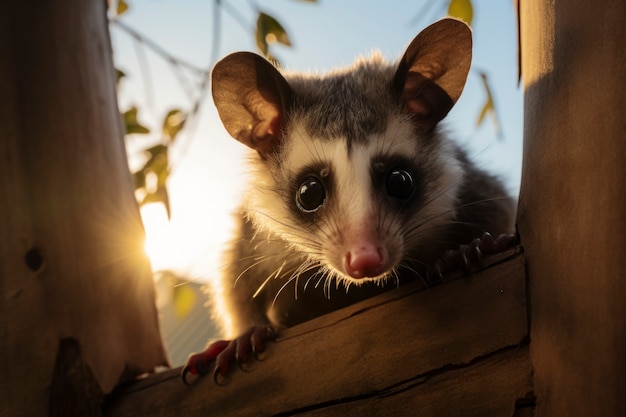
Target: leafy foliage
151, 178
132, 124
157, 164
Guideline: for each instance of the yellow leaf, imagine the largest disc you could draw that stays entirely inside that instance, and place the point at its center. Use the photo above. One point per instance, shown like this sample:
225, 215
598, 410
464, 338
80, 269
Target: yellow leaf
461, 9
489, 107
122, 6
184, 300
173, 123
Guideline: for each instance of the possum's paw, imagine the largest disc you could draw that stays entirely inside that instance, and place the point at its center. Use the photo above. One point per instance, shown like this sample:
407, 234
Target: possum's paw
471, 254
224, 352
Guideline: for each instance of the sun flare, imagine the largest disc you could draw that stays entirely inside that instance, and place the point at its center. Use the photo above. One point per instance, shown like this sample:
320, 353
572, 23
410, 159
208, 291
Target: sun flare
159, 245
185, 244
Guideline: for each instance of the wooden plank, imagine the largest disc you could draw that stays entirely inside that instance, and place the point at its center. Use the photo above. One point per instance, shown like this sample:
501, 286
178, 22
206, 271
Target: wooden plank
402, 336
489, 387
572, 206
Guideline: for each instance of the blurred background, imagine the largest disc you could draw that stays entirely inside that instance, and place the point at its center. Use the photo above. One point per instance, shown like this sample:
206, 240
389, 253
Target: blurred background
190, 173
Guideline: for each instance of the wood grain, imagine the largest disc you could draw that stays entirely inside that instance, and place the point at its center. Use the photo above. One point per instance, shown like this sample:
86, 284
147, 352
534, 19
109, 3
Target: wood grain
462, 337
572, 206
71, 256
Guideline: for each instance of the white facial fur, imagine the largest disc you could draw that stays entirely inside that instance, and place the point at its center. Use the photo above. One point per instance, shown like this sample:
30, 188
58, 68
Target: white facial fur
352, 213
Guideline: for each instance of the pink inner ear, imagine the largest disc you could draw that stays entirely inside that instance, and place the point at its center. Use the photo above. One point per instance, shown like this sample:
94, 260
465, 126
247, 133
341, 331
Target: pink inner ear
425, 100
417, 107
414, 101
265, 134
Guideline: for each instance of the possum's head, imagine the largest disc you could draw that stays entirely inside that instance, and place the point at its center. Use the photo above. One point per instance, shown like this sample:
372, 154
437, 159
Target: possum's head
349, 167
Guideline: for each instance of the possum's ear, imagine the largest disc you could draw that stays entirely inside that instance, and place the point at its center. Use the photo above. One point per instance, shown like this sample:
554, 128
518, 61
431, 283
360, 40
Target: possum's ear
251, 97
432, 73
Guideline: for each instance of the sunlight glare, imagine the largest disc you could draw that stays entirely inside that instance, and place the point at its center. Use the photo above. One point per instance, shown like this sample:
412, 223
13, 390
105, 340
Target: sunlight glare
159, 244
184, 245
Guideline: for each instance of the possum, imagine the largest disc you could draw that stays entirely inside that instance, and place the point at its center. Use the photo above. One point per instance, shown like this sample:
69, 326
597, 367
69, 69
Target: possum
355, 188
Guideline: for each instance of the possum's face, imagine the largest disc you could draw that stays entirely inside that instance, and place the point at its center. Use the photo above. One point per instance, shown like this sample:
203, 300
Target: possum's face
362, 211
349, 168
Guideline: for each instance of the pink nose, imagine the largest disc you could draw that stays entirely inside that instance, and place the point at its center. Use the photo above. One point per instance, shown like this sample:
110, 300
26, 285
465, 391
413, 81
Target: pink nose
366, 261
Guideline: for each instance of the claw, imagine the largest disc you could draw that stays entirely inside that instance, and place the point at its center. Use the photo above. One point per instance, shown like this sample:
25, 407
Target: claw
475, 253
487, 243
186, 371
504, 242
216, 378
224, 352
471, 254
198, 364
258, 338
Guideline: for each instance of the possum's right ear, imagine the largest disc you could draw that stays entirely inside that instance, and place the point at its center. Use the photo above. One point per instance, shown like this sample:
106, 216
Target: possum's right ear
251, 97
432, 73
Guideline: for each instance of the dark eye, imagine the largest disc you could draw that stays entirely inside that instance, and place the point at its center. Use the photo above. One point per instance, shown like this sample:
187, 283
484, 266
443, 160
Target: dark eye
400, 184
310, 195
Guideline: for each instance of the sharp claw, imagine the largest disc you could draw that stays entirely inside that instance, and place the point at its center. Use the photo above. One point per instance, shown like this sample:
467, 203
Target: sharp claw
464, 258
183, 375
259, 338
439, 269
474, 253
216, 377
240, 365
270, 334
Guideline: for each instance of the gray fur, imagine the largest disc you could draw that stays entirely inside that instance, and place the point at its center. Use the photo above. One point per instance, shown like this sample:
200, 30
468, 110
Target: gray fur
346, 104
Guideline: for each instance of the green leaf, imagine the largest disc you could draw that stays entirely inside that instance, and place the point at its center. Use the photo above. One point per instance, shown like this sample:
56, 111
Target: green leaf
184, 299
158, 163
173, 123
122, 7
140, 179
269, 31
132, 124
461, 9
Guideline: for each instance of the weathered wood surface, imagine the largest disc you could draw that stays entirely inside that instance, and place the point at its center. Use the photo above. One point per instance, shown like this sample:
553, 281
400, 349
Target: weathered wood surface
454, 349
572, 205
71, 257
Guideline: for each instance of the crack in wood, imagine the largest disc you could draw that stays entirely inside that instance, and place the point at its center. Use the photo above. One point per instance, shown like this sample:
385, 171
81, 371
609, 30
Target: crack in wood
415, 381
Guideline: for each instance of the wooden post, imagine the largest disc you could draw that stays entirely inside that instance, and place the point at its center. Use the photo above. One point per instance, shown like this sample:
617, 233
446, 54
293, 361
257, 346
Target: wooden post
76, 293
572, 210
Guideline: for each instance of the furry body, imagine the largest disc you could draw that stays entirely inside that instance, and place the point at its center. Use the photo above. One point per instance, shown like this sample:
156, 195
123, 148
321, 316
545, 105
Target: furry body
393, 191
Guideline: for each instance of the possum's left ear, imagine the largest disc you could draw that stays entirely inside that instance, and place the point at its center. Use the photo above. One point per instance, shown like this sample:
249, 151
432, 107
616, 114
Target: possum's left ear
251, 97
432, 73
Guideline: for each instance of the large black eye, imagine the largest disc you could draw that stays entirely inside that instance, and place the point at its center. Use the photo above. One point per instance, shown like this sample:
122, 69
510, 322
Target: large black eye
310, 195
400, 184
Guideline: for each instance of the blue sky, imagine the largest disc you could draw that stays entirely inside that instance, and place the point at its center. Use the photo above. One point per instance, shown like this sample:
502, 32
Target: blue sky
208, 175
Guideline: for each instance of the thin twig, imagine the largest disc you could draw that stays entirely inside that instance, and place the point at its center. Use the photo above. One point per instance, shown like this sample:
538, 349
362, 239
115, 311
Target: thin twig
156, 48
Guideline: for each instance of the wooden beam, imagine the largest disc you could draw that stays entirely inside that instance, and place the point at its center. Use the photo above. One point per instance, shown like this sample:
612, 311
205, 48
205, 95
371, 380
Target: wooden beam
572, 206
457, 346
